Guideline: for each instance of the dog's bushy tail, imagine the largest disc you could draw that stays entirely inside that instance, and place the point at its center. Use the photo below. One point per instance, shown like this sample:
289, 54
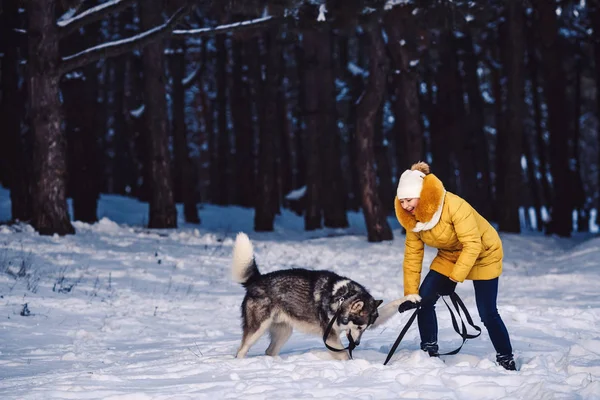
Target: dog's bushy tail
244, 269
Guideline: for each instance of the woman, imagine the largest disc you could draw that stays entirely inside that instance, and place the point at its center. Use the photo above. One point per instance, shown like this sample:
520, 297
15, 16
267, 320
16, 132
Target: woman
468, 248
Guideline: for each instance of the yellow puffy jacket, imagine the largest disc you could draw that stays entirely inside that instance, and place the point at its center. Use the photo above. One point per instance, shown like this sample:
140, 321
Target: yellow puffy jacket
468, 246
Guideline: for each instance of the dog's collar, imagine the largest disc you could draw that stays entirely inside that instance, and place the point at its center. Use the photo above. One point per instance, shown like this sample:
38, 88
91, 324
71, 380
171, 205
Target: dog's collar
351, 345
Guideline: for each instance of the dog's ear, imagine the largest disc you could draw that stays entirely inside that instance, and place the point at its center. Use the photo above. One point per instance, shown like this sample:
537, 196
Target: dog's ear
357, 306
378, 303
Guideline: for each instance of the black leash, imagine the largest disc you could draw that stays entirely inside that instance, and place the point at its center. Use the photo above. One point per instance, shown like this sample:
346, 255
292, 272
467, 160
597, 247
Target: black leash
401, 335
351, 344
458, 305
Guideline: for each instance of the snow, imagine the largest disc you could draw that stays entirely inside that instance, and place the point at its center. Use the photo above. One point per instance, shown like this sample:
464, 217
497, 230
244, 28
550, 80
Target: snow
138, 112
389, 4
296, 194
66, 17
322, 11
119, 311
190, 78
356, 70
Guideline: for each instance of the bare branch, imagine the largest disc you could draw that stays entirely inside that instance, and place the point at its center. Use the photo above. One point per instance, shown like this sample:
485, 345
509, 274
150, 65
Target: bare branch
118, 47
93, 14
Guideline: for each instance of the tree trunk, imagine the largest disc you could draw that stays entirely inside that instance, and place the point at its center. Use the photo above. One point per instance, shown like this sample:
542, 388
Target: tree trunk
241, 113
50, 212
477, 143
223, 149
386, 187
510, 141
286, 140
79, 97
333, 190
122, 165
452, 106
101, 119
264, 215
277, 121
356, 86
497, 57
163, 213
595, 15
558, 123
207, 137
401, 29
200, 138
313, 214
134, 100
213, 151
13, 159
299, 133
124, 168
449, 115
428, 108
378, 228
579, 198
532, 64
286, 136
183, 165
80, 93
532, 183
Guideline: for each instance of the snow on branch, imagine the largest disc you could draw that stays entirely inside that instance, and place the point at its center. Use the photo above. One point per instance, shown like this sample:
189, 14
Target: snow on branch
252, 23
138, 112
118, 47
191, 78
393, 3
68, 14
269, 19
73, 23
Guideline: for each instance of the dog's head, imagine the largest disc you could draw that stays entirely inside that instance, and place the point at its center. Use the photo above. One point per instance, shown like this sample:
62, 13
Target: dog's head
356, 316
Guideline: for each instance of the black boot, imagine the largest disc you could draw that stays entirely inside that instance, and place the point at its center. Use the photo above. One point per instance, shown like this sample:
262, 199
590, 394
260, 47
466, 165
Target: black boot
507, 362
433, 353
431, 349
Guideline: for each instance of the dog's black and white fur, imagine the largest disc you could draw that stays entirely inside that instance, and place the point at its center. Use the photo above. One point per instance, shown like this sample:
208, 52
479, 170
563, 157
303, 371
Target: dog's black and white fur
302, 299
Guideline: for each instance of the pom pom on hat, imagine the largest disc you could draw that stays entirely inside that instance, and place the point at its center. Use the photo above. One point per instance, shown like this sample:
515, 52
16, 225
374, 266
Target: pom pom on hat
411, 181
421, 166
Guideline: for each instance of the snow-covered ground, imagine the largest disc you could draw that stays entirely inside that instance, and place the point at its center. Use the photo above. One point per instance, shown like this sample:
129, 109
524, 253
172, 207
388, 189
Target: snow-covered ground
118, 311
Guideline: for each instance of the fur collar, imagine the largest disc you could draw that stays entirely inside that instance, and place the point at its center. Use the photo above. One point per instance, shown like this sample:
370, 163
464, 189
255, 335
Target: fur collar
429, 210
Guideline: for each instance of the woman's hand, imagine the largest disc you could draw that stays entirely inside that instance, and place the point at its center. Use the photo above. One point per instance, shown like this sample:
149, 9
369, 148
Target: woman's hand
409, 302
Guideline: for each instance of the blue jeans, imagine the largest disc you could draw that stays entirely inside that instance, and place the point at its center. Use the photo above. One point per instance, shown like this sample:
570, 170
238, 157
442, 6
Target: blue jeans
486, 292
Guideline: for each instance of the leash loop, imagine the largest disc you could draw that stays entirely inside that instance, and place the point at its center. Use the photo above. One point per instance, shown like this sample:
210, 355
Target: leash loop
458, 305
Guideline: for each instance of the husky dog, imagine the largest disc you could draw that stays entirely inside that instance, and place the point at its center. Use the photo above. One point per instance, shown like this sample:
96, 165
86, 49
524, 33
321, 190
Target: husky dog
303, 299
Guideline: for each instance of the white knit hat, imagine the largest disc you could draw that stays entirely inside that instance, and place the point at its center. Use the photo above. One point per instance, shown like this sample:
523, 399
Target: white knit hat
410, 185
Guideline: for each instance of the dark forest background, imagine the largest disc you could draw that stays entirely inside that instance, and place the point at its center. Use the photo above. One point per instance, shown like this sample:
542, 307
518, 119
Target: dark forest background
317, 106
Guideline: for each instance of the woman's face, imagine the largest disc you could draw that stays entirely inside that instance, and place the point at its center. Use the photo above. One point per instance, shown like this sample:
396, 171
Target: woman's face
409, 205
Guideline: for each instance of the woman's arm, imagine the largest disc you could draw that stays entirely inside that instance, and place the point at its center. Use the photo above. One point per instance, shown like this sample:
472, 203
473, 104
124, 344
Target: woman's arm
413, 263
465, 225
